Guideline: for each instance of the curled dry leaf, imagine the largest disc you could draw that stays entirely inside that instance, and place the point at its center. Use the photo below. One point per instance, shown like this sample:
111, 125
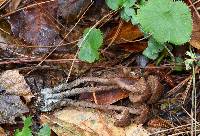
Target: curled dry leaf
88, 123
11, 107
15, 84
123, 119
156, 89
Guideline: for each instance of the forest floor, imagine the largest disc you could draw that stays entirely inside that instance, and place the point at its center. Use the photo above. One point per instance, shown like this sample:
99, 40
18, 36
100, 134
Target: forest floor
51, 86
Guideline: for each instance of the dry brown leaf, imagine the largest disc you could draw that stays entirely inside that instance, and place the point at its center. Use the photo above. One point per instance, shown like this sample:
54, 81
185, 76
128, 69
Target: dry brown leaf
134, 46
37, 25
195, 40
86, 122
127, 32
15, 84
107, 97
70, 10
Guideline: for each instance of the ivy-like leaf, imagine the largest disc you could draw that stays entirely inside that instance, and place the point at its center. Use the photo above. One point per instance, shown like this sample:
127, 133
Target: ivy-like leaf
126, 13
129, 14
153, 49
114, 4
90, 44
26, 131
128, 3
166, 20
190, 62
44, 131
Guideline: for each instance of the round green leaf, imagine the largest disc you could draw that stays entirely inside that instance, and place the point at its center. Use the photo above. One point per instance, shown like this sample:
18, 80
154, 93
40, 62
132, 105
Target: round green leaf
153, 49
166, 20
114, 4
128, 3
89, 45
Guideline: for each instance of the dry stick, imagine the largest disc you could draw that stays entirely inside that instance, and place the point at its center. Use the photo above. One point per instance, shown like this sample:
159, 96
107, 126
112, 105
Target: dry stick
60, 43
76, 91
170, 129
100, 107
194, 8
181, 133
115, 36
20, 61
185, 94
138, 40
66, 86
27, 7
32, 46
1, 29
177, 88
196, 2
190, 116
181, 84
120, 82
4, 3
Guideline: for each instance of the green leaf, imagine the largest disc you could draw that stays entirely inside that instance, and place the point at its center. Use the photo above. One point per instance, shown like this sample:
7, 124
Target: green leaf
129, 14
90, 44
114, 4
166, 20
28, 121
44, 131
188, 64
179, 64
26, 131
191, 54
134, 19
153, 49
128, 3
142, 2
125, 16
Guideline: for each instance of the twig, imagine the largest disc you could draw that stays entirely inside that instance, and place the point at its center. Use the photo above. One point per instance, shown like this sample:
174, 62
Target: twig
84, 104
196, 11
20, 61
177, 88
26, 7
115, 36
170, 129
50, 94
122, 83
138, 40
